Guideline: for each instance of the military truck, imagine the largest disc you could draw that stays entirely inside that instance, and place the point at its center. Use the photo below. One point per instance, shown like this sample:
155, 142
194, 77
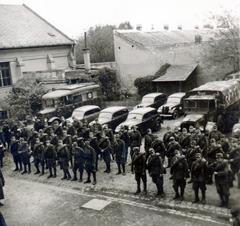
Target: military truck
216, 101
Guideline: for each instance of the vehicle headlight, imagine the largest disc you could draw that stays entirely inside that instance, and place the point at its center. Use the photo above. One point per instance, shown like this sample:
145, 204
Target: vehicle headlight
160, 109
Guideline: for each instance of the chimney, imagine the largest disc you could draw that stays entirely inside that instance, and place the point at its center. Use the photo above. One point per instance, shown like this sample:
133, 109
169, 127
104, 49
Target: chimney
139, 27
166, 27
86, 54
179, 27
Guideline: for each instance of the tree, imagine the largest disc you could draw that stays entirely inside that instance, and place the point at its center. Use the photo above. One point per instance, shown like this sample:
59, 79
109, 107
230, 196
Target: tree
100, 43
125, 26
25, 98
224, 46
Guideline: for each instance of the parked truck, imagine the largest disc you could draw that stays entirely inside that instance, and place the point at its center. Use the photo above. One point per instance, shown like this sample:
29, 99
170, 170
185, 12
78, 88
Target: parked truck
216, 101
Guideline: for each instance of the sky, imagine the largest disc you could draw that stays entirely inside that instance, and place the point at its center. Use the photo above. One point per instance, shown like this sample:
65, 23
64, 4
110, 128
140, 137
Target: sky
73, 17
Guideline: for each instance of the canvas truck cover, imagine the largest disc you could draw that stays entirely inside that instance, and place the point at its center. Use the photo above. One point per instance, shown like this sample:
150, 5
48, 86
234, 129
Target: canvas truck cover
226, 92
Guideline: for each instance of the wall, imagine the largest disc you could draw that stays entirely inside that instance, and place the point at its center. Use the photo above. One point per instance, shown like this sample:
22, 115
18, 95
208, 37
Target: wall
34, 62
135, 61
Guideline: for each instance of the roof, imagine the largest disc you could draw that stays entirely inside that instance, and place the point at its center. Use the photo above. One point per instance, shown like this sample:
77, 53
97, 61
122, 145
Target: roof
177, 73
192, 117
69, 89
177, 95
221, 86
141, 110
161, 39
153, 94
86, 108
22, 27
114, 109
201, 97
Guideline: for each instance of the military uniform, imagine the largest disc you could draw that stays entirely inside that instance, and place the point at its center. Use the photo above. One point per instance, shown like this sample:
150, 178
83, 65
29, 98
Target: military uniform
156, 170
139, 167
78, 162
160, 148
198, 178
172, 146
50, 156
105, 147
63, 158
14, 148
221, 172
90, 163
38, 156
120, 152
179, 171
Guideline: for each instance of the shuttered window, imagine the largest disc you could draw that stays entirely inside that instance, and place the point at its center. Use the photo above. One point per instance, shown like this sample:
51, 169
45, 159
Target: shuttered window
5, 74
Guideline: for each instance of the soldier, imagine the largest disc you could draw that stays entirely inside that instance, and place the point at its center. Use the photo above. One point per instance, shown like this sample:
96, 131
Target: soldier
67, 140
126, 138
234, 159
213, 149
94, 143
199, 177
78, 161
156, 170
14, 147
63, 158
139, 167
172, 146
24, 151
179, 172
70, 128
50, 155
135, 139
148, 140
2, 150
159, 147
105, 147
184, 140
38, 156
43, 136
215, 134
221, 173
90, 163
120, 151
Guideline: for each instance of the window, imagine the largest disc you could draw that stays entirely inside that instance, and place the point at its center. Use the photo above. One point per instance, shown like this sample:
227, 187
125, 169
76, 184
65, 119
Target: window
77, 98
5, 75
148, 115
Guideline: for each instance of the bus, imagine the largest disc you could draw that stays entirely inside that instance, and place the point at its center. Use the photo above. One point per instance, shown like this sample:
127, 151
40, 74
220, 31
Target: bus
63, 100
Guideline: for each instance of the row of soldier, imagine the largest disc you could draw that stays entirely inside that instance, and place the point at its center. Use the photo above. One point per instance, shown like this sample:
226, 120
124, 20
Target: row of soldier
188, 153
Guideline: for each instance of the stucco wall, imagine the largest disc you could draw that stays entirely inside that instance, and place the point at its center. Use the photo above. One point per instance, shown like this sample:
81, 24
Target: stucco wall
135, 61
34, 60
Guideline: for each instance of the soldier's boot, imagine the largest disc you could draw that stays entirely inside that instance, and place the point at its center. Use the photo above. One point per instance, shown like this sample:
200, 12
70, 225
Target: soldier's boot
145, 187
119, 169
29, 168
88, 179
182, 193
54, 172
50, 173
222, 203
196, 200
16, 166
176, 192
68, 175
25, 169
94, 178
42, 173
65, 175
138, 188
81, 175
108, 168
123, 166
38, 171
203, 197
74, 176
226, 200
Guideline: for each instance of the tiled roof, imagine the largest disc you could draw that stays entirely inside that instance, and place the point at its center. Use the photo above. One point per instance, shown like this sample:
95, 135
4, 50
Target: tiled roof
22, 27
164, 38
177, 73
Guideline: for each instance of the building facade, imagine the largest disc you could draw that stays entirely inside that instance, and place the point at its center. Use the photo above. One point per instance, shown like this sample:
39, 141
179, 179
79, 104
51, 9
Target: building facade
30, 47
139, 53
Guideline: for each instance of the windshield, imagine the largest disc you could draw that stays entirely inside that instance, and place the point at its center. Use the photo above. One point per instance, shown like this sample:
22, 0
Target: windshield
147, 100
104, 117
174, 100
48, 103
199, 105
136, 117
78, 114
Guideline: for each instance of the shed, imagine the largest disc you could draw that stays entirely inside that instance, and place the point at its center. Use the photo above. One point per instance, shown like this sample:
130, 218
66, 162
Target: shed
178, 78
